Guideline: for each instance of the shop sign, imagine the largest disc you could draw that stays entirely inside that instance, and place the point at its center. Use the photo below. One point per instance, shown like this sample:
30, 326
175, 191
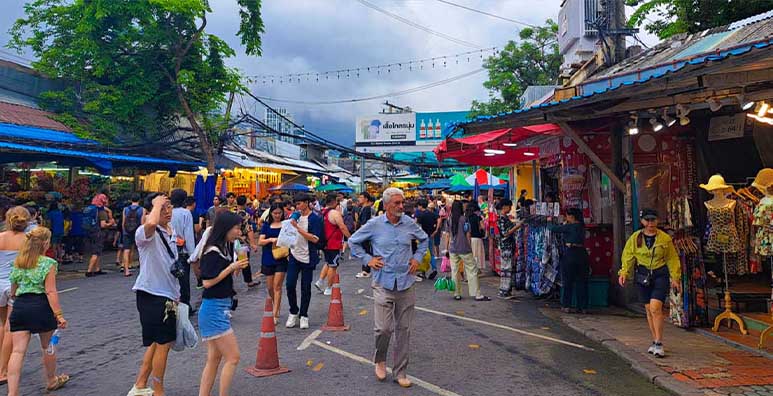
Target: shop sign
379, 132
727, 127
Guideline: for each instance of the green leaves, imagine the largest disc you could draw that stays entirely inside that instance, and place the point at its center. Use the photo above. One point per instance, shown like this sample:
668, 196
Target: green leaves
534, 60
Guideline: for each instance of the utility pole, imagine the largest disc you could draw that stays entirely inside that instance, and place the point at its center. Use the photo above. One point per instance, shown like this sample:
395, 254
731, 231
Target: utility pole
612, 27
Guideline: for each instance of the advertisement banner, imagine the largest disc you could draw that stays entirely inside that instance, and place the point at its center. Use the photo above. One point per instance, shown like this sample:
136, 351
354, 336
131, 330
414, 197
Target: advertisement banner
381, 131
431, 128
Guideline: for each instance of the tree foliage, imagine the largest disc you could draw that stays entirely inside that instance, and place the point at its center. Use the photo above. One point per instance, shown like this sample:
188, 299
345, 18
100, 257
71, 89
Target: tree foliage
666, 18
534, 60
138, 66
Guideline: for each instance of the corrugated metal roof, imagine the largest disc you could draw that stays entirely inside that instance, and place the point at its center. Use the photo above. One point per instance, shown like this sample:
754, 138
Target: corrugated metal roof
23, 115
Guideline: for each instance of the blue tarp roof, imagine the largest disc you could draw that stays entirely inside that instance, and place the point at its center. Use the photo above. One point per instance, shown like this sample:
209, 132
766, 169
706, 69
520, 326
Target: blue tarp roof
34, 133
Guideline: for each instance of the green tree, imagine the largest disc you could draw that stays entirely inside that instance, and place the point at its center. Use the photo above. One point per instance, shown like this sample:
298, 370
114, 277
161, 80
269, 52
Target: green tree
666, 18
534, 60
139, 67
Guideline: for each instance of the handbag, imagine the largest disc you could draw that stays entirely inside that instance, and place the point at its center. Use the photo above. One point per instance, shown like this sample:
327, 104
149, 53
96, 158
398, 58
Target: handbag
280, 252
644, 279
176, 269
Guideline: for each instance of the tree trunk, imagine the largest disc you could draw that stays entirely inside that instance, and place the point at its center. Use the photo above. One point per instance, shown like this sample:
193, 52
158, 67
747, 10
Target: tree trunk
206, 145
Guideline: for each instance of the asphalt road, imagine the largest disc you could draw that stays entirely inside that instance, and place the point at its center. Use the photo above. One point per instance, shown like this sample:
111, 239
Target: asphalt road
528, 354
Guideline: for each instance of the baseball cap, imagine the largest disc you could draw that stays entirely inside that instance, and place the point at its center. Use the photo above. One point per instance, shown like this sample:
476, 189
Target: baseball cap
649, 214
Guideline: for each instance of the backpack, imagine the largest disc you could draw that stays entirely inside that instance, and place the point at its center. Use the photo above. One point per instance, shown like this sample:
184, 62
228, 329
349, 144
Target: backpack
322, 243
132, 219
349, 221
90, 220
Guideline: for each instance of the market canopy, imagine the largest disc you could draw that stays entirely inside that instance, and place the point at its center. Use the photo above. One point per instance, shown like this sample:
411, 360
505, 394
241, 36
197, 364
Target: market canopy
332, 187
458, 180
290, 187
436, 185
483, 177
495, 148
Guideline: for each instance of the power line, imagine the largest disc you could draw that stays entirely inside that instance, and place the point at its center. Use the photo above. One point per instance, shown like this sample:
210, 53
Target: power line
368, 98
417, 64
487, 13
418, 26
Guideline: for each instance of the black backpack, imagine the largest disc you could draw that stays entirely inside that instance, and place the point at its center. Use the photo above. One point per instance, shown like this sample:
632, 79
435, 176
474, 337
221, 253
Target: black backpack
132, 220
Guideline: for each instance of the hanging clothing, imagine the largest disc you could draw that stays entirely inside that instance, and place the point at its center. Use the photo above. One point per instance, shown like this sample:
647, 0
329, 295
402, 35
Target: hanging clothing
723, 237
507, 250
763, 220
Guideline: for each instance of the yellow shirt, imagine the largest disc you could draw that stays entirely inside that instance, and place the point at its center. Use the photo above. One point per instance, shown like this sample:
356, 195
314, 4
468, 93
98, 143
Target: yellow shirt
662, 253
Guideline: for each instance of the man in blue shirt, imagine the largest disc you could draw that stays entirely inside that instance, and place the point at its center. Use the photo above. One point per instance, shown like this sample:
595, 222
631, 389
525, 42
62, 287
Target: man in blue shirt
394, 265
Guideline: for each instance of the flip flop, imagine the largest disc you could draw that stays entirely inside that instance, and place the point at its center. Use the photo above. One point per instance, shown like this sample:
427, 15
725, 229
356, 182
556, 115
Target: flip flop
59, 382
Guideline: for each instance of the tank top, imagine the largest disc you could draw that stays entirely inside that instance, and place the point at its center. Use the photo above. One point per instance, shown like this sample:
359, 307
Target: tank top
7, 257
333, 234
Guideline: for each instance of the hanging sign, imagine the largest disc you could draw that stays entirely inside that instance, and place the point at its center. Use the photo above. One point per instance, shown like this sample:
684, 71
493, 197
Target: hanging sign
727, 127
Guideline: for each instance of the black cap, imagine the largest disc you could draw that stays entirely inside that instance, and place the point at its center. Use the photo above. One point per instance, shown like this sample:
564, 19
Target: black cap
649, 214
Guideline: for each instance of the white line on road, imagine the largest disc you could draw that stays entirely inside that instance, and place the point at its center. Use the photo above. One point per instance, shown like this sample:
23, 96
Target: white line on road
311, 338
68, 290
503, 327
424, 384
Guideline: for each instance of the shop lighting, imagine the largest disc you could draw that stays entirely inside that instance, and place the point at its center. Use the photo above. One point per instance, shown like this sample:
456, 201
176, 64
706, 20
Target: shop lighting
633, 124
529, 154
745, 104
764, 107
510, 144
489, 154
657, 126
670, 121
765, 120
682, 111
492, 151
684, 120
714, 104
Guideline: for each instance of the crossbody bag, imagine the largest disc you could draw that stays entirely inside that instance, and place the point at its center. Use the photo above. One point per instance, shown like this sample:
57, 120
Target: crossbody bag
645, 279
176, 269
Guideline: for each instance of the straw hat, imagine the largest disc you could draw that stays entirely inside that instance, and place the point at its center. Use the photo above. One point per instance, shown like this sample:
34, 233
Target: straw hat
716, 182
764, 179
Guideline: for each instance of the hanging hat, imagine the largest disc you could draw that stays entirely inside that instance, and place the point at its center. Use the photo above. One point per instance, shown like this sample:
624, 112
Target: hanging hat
764, 179
716, 182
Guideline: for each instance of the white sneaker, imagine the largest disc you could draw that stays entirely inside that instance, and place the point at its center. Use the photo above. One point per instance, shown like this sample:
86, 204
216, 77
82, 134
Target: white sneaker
140, 392
651, 349
328, 291
419, 279
362, 274
318, 285
304, 322
292, 321
659, 352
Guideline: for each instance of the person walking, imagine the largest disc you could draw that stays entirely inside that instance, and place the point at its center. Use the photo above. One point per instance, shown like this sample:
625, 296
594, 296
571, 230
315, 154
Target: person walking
394, 267
477, 234
575, 269
218, 264
157, 294
506, 248
247, 237
182, 223
36, 308
461, 254
335, 230
651, 258
304, 257
11, 241
273, 268
430, 223
366, 213
96, 220
132, 219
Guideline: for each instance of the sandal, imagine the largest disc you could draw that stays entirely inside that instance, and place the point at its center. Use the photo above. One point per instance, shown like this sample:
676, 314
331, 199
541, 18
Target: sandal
59, 382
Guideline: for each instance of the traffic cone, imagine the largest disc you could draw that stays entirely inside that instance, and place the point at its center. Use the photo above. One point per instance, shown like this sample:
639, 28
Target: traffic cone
267, 361
335, 314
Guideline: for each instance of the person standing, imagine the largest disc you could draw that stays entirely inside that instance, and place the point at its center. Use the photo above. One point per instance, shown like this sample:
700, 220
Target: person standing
230, 201
651, 258
11, 241
36, 308
211, 212
477, 234
218, 264
247, 237
157, 294
430, 223
304, 257
366, 213
461, 254
274, 269
182, 223
335, 231
394, 266
575, 269
132, 219
506, 248
55, 218
96, 221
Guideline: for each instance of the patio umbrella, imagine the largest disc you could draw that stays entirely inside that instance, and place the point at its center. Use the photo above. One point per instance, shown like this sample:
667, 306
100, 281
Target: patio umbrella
459, 180
332, 187
290, 187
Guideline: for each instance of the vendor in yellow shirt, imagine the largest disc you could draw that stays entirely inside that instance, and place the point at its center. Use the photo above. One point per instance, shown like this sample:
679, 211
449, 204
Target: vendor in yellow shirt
650, 258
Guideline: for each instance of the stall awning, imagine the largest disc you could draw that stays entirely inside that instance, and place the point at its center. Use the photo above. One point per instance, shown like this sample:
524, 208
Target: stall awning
495, 148
15, 152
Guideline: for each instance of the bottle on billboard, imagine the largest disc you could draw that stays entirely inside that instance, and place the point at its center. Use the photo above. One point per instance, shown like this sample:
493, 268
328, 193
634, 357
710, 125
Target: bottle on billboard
423, 130
430, 130
438, 129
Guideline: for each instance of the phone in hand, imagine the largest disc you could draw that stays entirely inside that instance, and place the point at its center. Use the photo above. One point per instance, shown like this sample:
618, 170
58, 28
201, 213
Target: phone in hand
295, 216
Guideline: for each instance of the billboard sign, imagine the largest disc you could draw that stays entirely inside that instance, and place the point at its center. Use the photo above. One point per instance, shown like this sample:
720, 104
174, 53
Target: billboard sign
382, 132
431, 128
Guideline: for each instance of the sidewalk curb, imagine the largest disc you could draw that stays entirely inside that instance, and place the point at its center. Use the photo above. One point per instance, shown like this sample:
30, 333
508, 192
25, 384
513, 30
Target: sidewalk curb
638, 362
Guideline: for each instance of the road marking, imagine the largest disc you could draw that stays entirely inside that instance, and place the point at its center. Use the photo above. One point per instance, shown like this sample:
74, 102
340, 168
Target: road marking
424, 384
503, 327
311, 338
68, 290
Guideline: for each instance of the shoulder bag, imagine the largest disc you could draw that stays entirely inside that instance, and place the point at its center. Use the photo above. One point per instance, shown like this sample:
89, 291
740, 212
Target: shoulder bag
280, 252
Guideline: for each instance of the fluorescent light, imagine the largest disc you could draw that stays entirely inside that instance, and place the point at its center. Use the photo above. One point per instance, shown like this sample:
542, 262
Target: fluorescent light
529, 154
763, 109
492, 151
510, 144
489, 154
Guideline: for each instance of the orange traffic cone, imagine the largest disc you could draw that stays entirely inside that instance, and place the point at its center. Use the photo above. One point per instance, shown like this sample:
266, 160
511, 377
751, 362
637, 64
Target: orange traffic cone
335, 314
267, 361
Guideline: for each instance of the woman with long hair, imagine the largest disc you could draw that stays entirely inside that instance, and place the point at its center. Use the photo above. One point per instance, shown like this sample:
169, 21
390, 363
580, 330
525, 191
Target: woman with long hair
461, 253
11, 241
575, 269
36, 308
274, 269
218, 265
477, 233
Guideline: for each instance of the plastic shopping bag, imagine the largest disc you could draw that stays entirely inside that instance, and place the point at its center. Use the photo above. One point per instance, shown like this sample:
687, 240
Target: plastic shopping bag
445, 265
288, 235
425, 262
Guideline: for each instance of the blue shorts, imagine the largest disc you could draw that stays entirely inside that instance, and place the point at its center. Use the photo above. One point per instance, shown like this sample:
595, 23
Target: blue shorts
658, 288
215, 318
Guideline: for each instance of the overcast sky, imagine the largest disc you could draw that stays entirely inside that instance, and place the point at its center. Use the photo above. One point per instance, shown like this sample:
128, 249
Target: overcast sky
320, 35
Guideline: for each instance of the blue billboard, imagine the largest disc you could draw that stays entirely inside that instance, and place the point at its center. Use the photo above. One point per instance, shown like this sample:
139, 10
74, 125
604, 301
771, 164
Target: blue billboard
431, 128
